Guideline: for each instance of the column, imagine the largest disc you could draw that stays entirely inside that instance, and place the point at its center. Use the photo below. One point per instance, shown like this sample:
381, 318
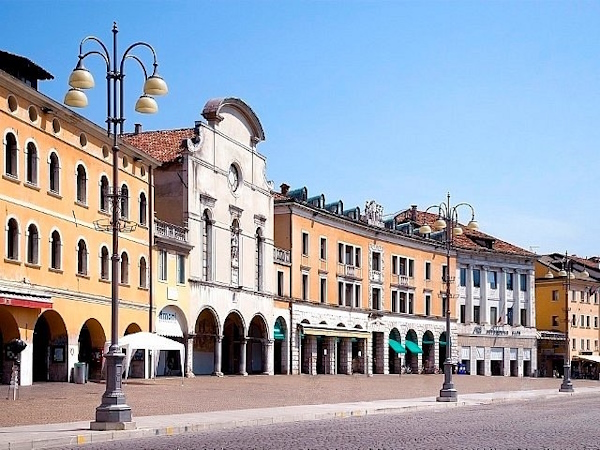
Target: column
530, 306
367, 358
520, 361
506, 362
484, 309
268, 365
243, 346
218, 352
487, 362
503, 310
473, 361
332, 346
516, 300
469, 295
296, 362
189, 356
346, 356
312, 355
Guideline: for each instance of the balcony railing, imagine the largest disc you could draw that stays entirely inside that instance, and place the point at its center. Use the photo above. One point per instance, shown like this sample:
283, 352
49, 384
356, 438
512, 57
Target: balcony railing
170, 231
281, 256
401, 280
349, 271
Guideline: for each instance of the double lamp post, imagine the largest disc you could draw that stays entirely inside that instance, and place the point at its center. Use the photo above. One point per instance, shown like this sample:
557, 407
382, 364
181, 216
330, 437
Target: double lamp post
114, 413
448, 220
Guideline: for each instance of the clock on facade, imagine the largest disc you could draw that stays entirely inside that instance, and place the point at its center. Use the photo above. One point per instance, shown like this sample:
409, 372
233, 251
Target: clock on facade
233, 178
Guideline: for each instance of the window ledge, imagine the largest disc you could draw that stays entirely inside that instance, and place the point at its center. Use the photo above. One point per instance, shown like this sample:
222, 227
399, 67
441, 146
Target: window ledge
12, 261
124, 284
54, 194
32, 265
143, 225
143, 288
52, 269
11, 178
104, 212
81, 204
33, 186
83, 275
104, 280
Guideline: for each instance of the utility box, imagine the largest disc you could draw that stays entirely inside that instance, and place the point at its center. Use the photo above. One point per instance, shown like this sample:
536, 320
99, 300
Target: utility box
79, 373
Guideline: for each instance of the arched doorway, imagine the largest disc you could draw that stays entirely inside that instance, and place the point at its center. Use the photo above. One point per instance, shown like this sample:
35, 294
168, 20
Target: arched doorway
412, 351
50, 348
233, 360
132, 328
442, 351
396, 352
8, 330
305, 352
256, 347
171, 323
91, 346
281, 348
206, 332
428, 353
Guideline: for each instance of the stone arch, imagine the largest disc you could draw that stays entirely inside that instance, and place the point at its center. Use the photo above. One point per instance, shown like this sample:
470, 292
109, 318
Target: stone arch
207, 339
9, 329
234, 341
412, 356
257, 346
50, 362
132, 328
281, 346
396, 352
428, 346
91, 347
213, 113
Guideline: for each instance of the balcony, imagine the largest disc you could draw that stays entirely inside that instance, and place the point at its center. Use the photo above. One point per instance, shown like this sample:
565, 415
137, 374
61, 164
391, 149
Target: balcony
400, 280
346, 270
282, 256
172, 235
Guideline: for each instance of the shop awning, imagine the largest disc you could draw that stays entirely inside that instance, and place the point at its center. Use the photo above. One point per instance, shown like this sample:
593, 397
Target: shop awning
397, 346
592, 358
277, 333
316, 330
168, 328
428, 341
26, 300
412, 347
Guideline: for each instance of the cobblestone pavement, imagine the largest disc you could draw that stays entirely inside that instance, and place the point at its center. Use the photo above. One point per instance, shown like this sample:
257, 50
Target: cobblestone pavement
66, 402
571, 423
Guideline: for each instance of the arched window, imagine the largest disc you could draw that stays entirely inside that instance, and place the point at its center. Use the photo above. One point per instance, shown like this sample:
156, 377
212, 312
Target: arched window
260, 241
143, 208
104, 193
10, 155
124, 202
124, 268
235, 252
12, 240
33, 239
54, 173
55, 250
81, 184
143, 273
32, 160
207, 238
82, 257
104, 263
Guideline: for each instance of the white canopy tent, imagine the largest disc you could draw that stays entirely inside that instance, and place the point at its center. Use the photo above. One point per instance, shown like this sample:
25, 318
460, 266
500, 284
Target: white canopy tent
150, 343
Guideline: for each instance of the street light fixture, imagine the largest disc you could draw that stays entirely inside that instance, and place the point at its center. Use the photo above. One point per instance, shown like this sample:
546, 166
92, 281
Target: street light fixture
567, 385
448, 220
114, 413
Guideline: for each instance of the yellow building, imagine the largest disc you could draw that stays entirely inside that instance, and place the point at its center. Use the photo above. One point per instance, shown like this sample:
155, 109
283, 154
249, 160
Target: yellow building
55, 281
568, 310
363, 297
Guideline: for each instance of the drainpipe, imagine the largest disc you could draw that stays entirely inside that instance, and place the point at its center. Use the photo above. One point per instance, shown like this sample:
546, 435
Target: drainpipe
150, 245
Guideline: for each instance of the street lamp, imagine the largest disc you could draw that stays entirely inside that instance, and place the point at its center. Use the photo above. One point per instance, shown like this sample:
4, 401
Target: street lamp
114, 413
567, 385
448, 220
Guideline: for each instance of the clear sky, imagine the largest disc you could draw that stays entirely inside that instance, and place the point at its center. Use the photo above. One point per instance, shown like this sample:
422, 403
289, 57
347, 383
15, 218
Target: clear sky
496, 102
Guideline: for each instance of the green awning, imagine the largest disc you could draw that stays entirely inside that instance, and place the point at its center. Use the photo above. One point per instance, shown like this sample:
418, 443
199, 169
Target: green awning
397, 346
277, 333
442, 343
412, 347
427, 341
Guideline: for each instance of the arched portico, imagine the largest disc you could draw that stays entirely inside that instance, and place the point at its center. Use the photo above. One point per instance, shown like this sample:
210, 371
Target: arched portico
132, 328
428, 352
259, 348
412, 351
396, 351
8, 330
91, 346
234, 345
207, 344
50, 348
281, 344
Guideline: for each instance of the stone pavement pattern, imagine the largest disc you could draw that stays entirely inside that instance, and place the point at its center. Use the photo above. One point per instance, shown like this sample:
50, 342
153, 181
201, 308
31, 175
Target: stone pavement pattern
535, 424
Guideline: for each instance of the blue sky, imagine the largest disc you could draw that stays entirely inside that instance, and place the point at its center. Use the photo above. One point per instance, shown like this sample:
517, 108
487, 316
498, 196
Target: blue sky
497, 102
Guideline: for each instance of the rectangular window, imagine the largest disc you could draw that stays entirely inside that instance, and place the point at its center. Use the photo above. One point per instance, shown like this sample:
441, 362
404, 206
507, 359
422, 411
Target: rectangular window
323, 248
596, 344
509, 281
476, 278
357, 296
463, 314
595, 321
523, 282
395, 265
581, 321
427, 270
427, 304
574, 320
509, 316
494, 315
555, 322
555, 296
376, 261
181, 269
341, 259
574, 345
376, 297
395, 301
582, 342
340, 293
162, 265
357, 257
524, 318
476, 314
587, 321
305, 243
587, 344
444, 306
323, 290
493, 276
280, 283
411, 268
411, 298
304, 286
403, 302
444, 272
463, 276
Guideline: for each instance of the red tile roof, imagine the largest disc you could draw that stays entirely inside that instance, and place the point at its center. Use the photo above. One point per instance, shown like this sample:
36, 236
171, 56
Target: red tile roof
469, 240
164, 145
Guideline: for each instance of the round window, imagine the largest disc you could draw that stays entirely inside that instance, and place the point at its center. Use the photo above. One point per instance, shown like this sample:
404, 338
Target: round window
233, 178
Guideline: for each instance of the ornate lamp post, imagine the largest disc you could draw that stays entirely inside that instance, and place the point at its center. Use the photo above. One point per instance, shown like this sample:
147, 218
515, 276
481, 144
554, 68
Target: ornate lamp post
567, 385
448, 220
114, 413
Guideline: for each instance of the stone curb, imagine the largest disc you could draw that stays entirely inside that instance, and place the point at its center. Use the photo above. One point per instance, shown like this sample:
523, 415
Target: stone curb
77, 433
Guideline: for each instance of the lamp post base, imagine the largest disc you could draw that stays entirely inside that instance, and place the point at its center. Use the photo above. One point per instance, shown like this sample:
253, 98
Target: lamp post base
447, 393
113, 413
566, 385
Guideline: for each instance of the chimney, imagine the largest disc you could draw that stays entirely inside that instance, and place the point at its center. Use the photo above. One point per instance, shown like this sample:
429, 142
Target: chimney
138, 128
284, 188
413, 213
